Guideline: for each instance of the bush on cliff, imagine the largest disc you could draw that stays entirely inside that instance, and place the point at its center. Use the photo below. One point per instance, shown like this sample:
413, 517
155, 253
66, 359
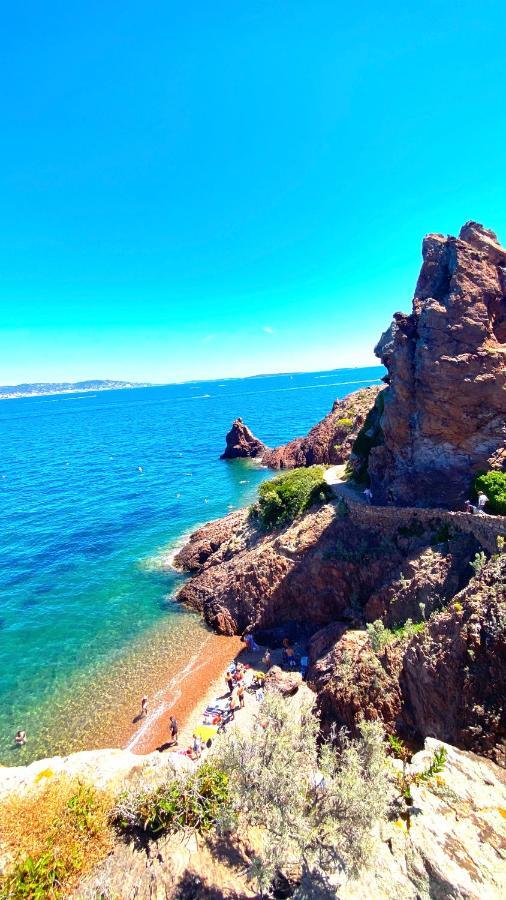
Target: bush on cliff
312, 806
493, 484
287, 496
192, 801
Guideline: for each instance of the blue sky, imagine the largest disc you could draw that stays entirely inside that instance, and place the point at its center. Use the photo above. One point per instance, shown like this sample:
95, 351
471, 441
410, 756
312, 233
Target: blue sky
216, 189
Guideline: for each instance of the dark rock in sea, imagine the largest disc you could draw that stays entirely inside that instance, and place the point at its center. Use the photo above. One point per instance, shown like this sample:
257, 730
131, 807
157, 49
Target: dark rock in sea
242, 443
445, 406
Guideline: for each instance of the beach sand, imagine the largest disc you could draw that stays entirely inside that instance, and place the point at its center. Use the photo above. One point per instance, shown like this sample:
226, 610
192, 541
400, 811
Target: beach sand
201, 681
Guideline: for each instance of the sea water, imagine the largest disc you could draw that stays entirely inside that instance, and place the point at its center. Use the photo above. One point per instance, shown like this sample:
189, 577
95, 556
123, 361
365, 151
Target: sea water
94, 489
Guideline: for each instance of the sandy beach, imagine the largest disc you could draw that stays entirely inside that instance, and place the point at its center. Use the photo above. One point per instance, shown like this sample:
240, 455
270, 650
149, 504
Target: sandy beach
187, 695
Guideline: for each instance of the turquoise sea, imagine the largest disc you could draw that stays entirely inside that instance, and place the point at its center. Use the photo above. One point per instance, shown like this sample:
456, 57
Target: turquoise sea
93, 488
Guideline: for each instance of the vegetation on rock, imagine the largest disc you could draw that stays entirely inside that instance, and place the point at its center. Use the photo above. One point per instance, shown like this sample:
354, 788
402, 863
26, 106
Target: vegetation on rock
288, 495
56, 833
493, 484
195, 801
314, 806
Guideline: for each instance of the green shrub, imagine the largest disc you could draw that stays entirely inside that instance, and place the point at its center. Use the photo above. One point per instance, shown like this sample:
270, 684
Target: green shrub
380, 636
313, 809
493, 484
285, 497
478, 562
345, 423
194, 801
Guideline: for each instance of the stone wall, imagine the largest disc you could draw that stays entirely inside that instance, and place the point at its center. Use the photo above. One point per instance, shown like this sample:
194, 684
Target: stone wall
485, 529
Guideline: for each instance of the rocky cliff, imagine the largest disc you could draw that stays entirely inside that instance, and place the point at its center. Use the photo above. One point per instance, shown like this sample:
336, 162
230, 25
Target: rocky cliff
445, 407
329, 442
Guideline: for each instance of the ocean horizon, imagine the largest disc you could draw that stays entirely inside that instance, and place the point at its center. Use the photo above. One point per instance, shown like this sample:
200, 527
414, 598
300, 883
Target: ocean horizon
96, 489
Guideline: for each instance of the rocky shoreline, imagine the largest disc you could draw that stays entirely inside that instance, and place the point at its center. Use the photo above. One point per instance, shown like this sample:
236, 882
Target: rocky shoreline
400, 594
437, 666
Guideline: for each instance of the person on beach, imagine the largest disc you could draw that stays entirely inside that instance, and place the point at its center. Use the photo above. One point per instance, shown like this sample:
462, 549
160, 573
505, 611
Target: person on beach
232, 705
144, 707
368, 495
20, 738
267, 659
173, 729
230, 681
197, 747
249, 640
240, 696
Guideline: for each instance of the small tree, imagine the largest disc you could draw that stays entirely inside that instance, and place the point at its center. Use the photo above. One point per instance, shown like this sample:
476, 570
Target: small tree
493, 484
314, 808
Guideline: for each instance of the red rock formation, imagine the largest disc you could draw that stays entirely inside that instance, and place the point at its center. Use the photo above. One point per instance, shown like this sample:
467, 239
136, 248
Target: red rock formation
331, 440
317, 569
447, 682
445, 408
242, 443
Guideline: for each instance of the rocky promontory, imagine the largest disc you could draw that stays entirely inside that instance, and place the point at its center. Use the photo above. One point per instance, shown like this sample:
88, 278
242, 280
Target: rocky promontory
444, 415
402, 628
329, 442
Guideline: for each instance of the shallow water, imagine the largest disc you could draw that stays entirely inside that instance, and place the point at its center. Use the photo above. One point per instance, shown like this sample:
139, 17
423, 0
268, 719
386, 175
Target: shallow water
93, 488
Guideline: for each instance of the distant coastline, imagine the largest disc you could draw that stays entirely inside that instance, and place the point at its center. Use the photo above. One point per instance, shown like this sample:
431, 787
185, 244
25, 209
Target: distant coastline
42, 389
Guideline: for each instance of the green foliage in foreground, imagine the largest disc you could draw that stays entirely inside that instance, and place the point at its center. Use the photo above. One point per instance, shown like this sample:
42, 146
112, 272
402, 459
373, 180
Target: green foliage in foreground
493, 484
287, 496
193, 801
313, 804
405, 779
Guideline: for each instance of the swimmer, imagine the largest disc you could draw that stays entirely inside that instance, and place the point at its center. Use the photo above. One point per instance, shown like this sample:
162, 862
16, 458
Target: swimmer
144, 706
139, 468
20, 738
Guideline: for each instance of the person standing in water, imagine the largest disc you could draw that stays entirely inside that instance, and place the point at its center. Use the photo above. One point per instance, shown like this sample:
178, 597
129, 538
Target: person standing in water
20, 738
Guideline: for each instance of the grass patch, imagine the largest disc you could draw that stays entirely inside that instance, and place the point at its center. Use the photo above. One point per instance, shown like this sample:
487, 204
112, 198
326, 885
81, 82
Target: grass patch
493, 484
56, 834
287, 496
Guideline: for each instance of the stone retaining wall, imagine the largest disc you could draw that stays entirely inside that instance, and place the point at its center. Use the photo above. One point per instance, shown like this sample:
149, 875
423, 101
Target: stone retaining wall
485, 528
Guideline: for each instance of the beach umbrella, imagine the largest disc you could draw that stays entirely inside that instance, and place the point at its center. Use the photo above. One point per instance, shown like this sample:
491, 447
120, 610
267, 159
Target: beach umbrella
205, 732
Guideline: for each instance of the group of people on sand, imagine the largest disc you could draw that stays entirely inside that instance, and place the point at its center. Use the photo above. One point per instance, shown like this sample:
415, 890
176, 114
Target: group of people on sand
236, 688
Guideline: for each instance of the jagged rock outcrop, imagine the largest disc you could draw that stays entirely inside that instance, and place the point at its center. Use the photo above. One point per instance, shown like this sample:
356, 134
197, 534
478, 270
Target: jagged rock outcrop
320, 568
444, 413
317, 569
241, 443
330, 442
448, 681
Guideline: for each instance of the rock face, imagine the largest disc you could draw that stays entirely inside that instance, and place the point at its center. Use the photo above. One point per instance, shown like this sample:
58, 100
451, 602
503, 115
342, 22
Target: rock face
455, 846
448, 681
330, 441
317, 569
242, 443
445, 407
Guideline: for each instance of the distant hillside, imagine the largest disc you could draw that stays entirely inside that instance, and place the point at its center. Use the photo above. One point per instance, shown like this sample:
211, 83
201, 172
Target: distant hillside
38, 389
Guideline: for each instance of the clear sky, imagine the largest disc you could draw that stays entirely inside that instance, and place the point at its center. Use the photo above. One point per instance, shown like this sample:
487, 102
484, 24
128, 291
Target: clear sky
208, 189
